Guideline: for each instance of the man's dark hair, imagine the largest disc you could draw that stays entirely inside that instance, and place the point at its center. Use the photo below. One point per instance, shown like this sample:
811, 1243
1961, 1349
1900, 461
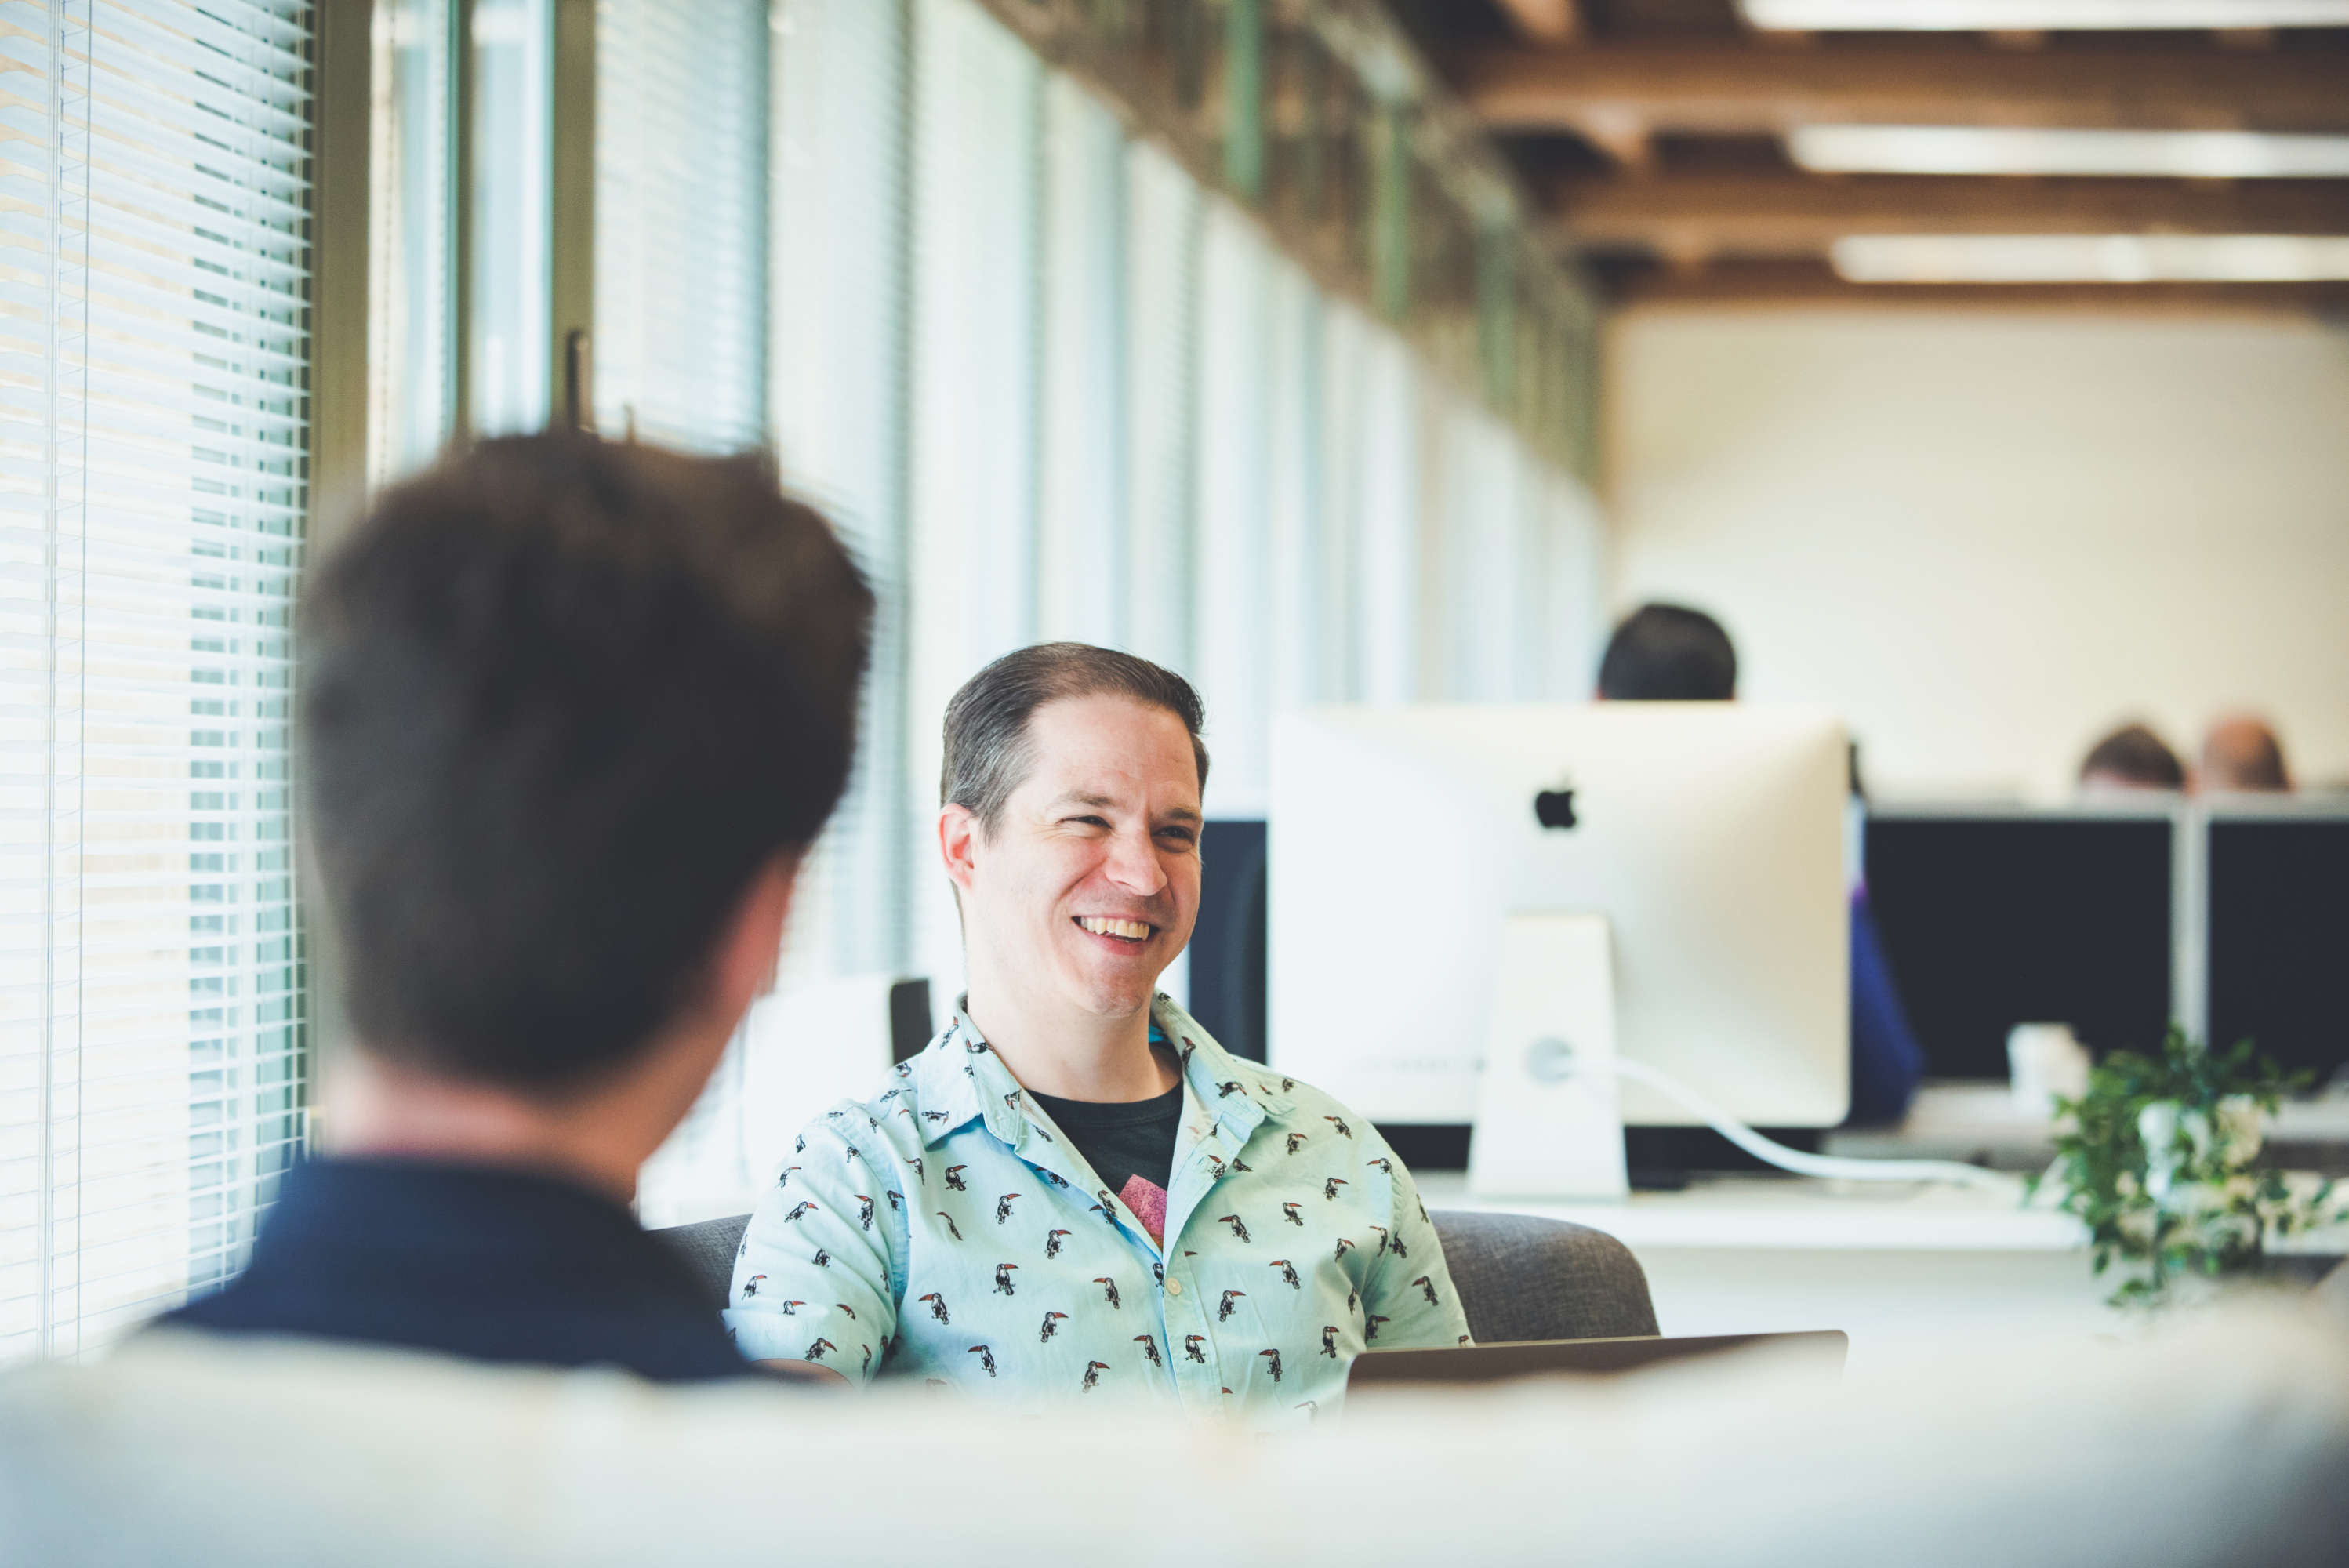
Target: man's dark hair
988, 752
562, 700
1667, 652
2134, 755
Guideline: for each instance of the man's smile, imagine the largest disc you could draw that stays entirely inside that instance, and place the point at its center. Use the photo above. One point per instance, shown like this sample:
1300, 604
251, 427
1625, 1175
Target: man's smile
1127, 934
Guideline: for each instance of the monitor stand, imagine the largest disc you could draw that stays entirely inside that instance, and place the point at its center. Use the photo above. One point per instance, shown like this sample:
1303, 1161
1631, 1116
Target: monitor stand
1547, 1125
1549, 1119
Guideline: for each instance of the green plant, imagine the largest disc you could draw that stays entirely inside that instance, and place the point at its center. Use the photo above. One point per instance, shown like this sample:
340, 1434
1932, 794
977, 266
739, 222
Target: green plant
2156, 1159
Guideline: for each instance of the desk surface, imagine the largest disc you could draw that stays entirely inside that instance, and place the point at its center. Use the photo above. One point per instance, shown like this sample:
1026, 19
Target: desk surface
1793, 1214
1977, 1120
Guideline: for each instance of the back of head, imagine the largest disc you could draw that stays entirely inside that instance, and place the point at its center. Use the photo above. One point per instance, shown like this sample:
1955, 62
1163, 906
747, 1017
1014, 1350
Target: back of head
987, 751
1667, 652
2242, 753
2133, 757
564, 700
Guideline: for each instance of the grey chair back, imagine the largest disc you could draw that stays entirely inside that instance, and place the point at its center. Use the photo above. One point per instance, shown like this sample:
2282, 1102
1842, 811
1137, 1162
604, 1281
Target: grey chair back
1519, 1277
709, 1248
1524, 1277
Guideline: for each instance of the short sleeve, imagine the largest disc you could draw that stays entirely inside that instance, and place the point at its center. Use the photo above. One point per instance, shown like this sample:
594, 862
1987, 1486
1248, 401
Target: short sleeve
1407, 1294
815, 1279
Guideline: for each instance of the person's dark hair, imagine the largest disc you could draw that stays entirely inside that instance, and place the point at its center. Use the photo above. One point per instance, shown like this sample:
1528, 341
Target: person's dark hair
2133, 754
562, 700
1668, 653
988, 753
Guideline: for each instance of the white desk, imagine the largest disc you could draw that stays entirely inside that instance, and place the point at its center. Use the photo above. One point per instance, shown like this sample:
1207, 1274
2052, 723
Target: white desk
1977, 1120
1886, 1263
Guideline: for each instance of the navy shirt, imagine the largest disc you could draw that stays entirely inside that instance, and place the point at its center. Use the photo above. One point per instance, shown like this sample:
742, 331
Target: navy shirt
1886, 1062
491, 1263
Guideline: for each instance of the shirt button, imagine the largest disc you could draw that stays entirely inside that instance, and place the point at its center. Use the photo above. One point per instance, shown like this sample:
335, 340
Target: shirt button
1173, 1287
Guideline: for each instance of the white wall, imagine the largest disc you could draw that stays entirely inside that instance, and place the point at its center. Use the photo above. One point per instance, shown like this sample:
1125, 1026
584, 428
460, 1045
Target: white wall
1988, 536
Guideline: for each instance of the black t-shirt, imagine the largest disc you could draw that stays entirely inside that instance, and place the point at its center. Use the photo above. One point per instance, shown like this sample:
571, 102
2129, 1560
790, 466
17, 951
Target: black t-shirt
1120, 1142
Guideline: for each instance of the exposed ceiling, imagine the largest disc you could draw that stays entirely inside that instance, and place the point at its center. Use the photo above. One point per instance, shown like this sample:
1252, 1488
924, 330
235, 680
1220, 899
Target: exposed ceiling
1675, 145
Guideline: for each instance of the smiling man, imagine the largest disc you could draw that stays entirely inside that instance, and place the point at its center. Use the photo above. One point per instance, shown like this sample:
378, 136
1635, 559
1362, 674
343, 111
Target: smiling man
1074, 1188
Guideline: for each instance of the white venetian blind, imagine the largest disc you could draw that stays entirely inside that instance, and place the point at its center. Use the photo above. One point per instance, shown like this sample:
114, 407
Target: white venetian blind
838, 301
680, 221
977, 102
153, 213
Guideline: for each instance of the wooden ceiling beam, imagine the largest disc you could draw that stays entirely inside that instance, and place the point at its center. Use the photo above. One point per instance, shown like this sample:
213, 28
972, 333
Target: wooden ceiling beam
1812, 284
1801, 215
1546, 21
1730, 88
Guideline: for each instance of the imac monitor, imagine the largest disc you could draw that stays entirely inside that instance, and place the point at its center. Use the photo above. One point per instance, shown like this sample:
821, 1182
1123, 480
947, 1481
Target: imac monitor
2279, 930
1710, 837
1996, 917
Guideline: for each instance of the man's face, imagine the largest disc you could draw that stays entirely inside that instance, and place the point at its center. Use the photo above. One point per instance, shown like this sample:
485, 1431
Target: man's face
1090, 882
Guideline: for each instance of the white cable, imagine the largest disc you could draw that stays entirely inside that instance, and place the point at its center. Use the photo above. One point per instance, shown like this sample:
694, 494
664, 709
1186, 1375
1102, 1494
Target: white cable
1795, 1160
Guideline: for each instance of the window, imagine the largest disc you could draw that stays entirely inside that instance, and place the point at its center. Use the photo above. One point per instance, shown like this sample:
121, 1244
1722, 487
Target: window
1046, 379
680, 219
152, 432
411, 322
509, 358
1081, 552
1234, 668
837, 307
977, 115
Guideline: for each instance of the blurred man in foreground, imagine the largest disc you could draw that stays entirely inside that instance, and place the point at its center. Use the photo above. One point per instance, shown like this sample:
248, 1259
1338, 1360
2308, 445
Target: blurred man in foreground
1668, 653
572, 713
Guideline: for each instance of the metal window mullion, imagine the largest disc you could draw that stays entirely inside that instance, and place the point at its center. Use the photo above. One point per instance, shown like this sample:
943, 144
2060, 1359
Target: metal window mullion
571, 173
1243, 99
52, 563
458, 358
1390, 236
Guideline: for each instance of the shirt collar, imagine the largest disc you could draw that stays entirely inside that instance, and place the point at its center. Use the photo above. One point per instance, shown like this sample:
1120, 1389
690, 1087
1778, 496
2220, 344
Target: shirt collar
387, 1214
959, 1076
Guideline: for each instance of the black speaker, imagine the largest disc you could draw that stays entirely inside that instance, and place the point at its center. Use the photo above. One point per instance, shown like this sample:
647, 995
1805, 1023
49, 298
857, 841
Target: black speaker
1227, 944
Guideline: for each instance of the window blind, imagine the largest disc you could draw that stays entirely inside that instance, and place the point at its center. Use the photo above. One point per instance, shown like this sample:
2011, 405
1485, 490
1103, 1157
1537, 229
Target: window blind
509, 228
1085, 577
680, 221
978, 112
153, 206
1232, 660
411, 363
1165, 213
839, 227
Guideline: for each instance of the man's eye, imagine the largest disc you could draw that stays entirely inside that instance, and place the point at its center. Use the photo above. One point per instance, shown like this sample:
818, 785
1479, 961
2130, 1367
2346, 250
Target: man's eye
1090, 821
1182, 836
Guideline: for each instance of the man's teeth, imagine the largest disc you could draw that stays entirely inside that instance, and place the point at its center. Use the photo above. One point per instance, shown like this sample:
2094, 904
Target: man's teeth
1137, 930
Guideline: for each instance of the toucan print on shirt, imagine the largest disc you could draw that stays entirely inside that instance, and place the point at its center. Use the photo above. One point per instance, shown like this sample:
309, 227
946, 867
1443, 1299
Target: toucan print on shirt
1288, 1240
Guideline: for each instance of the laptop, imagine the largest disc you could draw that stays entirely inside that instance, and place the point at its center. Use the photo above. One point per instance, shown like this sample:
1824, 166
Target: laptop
1821, 1351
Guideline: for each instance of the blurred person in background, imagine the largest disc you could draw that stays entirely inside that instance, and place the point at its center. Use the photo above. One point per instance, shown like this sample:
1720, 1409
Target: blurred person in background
2241, 755
572, 713
1668, 652
2132, 758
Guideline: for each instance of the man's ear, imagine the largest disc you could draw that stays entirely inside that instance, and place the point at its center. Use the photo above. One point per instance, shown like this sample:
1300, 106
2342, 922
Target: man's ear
958, 836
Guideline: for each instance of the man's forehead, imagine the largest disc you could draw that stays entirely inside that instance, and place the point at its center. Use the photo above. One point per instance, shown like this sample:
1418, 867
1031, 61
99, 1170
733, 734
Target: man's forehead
1093, 799
1143, 753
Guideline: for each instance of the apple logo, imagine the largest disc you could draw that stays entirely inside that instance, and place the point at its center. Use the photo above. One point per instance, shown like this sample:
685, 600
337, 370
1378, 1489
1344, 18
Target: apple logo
1555, 808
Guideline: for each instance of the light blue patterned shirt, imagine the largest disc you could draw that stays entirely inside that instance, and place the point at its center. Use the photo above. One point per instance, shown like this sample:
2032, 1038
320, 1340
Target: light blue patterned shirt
947, 1231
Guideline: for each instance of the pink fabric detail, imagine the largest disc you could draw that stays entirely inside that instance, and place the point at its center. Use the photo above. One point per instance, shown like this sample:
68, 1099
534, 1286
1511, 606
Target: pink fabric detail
1147, 1199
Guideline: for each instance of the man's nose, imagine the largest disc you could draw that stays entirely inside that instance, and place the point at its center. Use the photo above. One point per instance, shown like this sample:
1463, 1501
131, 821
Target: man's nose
1133, 864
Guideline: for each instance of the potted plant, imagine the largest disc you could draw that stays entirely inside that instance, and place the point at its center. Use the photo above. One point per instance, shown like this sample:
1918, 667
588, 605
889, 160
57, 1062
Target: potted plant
2157, 1160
